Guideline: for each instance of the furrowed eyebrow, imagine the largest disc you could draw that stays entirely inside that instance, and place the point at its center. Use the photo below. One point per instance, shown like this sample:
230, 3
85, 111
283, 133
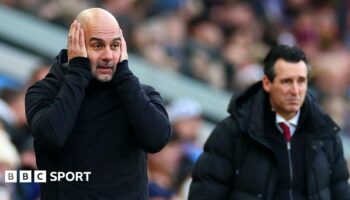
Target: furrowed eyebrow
116, 39
96, 39
100, 40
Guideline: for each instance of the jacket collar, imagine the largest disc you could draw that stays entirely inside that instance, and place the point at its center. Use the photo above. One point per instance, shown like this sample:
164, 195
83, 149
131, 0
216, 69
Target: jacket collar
249, 108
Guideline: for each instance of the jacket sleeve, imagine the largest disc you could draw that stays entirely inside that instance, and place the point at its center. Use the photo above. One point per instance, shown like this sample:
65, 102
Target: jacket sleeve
52, 105
212, 176
145, 110
339, 185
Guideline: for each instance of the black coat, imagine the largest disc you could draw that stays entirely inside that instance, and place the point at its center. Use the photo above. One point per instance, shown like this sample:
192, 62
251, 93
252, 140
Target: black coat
82, 125
238, 162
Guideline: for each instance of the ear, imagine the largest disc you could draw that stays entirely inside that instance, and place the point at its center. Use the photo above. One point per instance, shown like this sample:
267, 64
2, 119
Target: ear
266, 83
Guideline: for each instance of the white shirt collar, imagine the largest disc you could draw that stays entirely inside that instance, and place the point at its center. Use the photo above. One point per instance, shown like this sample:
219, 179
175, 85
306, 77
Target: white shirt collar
292, 123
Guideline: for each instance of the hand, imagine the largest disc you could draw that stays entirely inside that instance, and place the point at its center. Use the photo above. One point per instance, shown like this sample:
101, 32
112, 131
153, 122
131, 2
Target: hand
123, 50
76, 41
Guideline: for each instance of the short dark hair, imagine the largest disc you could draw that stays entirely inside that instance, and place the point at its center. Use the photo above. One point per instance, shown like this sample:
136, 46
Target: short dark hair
287, 53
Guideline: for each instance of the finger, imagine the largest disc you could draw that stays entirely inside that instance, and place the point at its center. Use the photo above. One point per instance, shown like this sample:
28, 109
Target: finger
72, 26
81, 38
76, 36
71, 36
124, 53
71, 31
70, 40
82, 42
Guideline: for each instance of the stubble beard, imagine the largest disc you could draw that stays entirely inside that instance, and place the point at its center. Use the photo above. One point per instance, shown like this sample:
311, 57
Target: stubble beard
103, 77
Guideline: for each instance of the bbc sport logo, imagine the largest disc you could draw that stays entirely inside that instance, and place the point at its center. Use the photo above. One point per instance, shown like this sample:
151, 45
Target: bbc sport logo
40, 176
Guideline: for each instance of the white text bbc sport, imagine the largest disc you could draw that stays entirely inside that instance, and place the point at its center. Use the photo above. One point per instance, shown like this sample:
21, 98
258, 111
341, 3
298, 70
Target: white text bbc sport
40, 176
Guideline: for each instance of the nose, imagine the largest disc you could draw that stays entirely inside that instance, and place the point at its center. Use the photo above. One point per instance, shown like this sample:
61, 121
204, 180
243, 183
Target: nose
107, 54
295, 88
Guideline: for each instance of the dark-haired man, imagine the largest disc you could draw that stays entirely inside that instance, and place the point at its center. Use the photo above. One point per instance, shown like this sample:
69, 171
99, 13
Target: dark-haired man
277, 142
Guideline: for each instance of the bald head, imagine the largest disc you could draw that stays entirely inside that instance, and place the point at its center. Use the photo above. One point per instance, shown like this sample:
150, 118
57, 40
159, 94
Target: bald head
95, 16
103, 37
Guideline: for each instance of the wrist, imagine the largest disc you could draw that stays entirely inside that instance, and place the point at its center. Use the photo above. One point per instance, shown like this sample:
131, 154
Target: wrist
123, 72
122, 66
80, 62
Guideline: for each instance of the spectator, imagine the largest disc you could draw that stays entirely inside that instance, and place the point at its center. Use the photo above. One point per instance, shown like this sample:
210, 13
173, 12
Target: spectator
185, 115
162, 168
9, 160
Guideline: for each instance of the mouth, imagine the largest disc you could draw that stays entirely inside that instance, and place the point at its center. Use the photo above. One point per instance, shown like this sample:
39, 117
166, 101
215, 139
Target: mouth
293, 101
104, 69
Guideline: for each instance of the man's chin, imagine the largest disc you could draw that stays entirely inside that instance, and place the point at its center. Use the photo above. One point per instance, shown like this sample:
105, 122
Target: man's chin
104, 78
294, 108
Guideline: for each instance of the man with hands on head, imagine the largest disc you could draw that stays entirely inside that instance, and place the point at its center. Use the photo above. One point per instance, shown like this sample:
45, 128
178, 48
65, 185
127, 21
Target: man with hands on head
91, 114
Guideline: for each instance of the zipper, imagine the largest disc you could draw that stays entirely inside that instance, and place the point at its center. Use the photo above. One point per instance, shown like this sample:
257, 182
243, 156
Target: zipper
290, 170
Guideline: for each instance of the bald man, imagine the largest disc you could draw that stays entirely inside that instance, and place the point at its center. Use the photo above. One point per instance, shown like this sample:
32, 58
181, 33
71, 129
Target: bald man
92, 119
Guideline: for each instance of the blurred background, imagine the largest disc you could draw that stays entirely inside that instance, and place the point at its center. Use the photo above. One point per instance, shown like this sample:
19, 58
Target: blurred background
195, 53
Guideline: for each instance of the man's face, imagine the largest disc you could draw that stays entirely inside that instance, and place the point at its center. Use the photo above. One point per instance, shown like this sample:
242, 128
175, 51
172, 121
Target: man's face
288, 89
103, 42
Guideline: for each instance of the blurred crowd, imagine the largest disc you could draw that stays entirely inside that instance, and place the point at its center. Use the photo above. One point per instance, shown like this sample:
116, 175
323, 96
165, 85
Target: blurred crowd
16, 142
218, 42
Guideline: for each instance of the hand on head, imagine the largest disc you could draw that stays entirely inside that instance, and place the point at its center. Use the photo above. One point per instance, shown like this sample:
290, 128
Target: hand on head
105, 27
76, 41
124, 51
